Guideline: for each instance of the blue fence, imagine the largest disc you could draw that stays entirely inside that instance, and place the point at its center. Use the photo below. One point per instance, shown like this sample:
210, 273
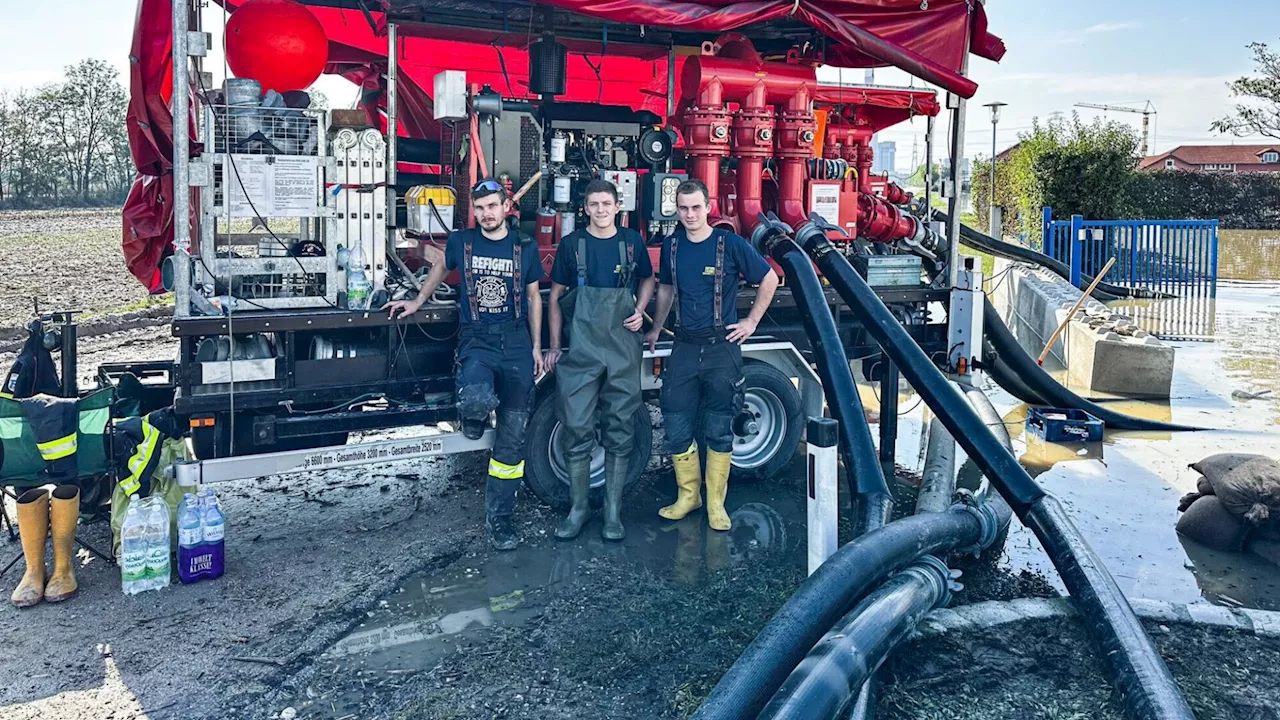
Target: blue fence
1174, 256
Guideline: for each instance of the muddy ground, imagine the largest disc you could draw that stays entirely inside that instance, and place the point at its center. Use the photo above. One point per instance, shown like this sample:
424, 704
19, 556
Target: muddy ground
1047, 669
316, 562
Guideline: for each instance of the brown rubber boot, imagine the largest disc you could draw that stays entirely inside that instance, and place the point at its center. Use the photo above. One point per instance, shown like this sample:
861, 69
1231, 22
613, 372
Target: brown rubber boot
718, 465
688, 485
64, 511
33, 523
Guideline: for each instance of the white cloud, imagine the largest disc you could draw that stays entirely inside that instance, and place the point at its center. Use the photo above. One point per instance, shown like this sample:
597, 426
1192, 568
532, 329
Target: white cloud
1111, 27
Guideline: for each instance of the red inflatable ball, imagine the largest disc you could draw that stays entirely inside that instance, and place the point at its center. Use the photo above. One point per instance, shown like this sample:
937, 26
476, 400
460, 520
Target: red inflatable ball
279, 43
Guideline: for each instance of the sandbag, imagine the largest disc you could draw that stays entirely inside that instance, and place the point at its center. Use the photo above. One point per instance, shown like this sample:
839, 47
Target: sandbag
1207, 522
1251, 490
1215, 467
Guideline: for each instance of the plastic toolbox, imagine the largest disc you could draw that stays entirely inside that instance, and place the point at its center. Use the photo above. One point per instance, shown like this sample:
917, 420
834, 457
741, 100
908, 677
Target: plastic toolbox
1058, 425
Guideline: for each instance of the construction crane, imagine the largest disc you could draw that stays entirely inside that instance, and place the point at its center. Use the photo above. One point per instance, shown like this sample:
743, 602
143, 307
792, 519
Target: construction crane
1147, 111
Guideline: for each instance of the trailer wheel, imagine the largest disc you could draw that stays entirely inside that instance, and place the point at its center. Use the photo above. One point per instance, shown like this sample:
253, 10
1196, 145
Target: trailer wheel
545, 471
774, 404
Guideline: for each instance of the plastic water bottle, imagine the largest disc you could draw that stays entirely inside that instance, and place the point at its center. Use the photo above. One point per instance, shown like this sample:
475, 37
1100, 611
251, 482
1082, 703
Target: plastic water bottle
157, 536
213, 528
133, 551
358, 286
191, 555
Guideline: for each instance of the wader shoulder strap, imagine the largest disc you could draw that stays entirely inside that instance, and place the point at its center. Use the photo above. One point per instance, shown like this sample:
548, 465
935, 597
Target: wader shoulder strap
675, 274
580, 257
719, 291
469, 279
626, 262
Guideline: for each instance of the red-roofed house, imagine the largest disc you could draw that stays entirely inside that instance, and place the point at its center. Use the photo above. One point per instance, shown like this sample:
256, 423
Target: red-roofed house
1217, 158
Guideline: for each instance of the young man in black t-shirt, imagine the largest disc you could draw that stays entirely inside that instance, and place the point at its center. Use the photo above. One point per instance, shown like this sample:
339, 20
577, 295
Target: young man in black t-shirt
609, 279
499, 345
699, 274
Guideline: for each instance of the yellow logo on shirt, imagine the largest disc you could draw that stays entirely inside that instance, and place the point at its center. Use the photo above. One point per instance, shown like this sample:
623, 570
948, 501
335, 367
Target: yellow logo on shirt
709, 270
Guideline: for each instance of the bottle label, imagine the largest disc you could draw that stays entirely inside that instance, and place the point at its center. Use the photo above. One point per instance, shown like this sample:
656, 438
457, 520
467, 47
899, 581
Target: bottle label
158, 561
214, 533
189, 537
133, 566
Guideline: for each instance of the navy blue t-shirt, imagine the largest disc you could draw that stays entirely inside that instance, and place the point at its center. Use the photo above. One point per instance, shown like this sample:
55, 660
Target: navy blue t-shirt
697, 272
603, 263
493, 271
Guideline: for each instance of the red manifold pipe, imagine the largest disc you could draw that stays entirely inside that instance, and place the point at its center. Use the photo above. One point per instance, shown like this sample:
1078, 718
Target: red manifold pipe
797, 128
738, 75
881, 221
753, 130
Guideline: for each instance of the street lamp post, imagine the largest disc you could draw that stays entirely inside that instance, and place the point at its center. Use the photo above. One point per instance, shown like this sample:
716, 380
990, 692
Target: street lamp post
994, 219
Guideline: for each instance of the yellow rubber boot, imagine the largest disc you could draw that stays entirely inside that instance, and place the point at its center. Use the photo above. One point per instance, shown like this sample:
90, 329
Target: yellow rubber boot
717, 487
64, 510
688, 485
33, 523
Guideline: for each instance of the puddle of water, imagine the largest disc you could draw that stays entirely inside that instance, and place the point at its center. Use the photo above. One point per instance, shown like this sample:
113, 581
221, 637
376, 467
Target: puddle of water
1123, 494
431, 615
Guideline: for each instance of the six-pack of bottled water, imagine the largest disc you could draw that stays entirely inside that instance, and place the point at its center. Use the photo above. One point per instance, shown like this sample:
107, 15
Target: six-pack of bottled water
146, 549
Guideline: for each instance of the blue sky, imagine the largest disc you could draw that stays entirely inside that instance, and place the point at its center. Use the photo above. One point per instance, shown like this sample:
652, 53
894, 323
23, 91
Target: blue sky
1179, 54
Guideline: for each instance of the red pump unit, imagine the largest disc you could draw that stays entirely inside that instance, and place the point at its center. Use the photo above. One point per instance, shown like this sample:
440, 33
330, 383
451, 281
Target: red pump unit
774, 119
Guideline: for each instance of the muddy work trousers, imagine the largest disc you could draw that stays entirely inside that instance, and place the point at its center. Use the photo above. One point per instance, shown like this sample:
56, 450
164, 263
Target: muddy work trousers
495, 372
702, 382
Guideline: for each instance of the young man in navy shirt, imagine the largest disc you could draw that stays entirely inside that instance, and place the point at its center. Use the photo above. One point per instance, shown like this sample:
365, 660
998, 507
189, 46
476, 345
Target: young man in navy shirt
609, 279
699, 275
499, 342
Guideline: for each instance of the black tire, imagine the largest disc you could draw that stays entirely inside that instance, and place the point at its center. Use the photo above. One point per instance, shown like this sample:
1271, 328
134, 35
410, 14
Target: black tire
545, 473
775, 402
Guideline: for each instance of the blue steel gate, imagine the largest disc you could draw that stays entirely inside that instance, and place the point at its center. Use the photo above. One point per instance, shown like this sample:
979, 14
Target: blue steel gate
1174, 256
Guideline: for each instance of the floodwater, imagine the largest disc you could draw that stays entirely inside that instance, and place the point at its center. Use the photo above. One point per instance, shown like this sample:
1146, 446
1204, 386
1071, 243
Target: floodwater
1123, 494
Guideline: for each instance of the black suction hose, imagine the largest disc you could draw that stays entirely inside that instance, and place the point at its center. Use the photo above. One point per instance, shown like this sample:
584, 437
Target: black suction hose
866, 483
938, 481
1146, 686
830, 592
1014, 366
834, 671
1104, 292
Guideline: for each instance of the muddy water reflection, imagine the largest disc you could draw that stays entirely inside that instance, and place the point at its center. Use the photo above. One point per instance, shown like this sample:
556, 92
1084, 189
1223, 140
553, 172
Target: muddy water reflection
433, 615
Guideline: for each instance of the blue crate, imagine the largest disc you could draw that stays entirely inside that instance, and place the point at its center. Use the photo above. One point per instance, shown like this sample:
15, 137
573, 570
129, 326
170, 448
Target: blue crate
1076, 426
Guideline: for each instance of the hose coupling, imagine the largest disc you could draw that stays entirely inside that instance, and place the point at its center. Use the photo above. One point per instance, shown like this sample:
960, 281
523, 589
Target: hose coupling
987, 521
940, 577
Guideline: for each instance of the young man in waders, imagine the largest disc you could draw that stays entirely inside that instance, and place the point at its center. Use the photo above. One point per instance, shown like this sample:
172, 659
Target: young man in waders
609, 279
698, 276
499, 342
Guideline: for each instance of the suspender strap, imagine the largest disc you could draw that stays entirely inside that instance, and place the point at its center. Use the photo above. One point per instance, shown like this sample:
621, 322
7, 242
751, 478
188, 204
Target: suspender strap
517, 244
469, 279
581, 257
675, 282
718, 321
626, 258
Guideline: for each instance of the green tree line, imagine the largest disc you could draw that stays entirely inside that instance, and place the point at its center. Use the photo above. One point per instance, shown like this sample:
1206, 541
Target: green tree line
65, 143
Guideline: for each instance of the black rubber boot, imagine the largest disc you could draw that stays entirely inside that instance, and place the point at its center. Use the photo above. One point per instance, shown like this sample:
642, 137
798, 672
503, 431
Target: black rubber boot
615, 479
579, 490
500, 504
473, 429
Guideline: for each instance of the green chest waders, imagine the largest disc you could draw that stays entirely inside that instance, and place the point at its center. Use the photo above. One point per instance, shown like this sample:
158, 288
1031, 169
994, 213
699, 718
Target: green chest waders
598, 384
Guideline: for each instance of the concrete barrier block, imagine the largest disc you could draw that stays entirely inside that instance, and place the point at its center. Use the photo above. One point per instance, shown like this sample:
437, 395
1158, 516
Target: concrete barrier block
1103, 351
